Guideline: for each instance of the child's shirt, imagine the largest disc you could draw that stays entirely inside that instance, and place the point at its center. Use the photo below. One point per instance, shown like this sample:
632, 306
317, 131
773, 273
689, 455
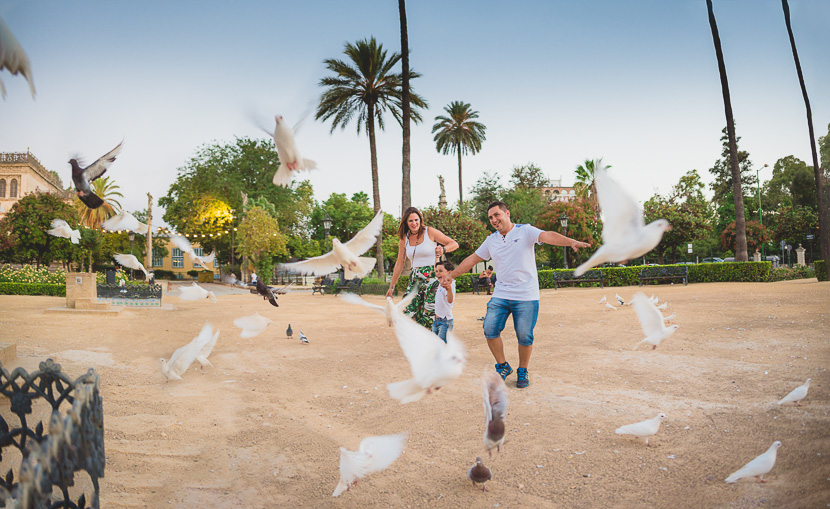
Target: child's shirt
443, 309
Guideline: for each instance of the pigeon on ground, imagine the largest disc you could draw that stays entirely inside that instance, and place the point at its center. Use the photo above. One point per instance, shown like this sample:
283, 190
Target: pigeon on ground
609, 306
184, 245
252, 325
642, 429
433, 363
183, 357
373, 455
625, 235
758, 467
266, 293
495, 409
289, 332
204, 353
603, 300
652, 321
61, 228
663, 305
619, 299
125, 221
13, 58
391, 310
303, 338
344, 255
131, 262
797, 394
290, 158
479, 474
81, 177
195, 292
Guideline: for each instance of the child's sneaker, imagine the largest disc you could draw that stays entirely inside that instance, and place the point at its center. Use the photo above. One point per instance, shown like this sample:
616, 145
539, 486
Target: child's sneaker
521, 378
503, 369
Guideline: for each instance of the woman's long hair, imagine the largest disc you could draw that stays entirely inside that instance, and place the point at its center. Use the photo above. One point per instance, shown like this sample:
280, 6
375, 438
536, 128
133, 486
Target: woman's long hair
403, 229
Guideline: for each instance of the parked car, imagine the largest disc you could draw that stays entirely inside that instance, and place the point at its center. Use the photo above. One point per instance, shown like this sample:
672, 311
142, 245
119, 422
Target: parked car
713, 259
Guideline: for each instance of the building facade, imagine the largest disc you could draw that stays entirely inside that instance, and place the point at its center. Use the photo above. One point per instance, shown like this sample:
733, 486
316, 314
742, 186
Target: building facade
178, 261
21, 174
557, 192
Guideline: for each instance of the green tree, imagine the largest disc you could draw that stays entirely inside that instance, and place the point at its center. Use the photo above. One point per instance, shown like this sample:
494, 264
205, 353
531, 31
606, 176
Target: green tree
794, 223
792, 183
365, 86
458, 133
525, 204
486, 190
723, 186
406, 110
756, 236
582, 226
23, 229
529, 176
259, 239
468, 232
585, 186
106, 190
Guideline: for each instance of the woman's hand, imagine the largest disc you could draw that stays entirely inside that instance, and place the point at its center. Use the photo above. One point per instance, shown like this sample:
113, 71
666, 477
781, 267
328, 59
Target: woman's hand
390, 291
439, 250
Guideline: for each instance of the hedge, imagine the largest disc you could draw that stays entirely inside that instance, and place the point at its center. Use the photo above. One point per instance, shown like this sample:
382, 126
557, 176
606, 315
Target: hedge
790, 273
821, 271
164, 274
33, 289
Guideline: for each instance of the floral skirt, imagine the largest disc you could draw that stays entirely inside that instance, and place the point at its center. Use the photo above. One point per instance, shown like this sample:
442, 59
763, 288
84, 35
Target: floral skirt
422, 307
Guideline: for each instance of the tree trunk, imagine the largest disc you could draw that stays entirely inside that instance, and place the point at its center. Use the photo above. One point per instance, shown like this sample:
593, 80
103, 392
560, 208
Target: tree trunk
406, 187
823, 206
740, 218
460, 185
148, 255
370, 126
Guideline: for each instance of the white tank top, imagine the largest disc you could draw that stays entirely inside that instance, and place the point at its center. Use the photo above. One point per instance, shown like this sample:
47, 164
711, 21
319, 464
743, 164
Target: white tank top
423, 254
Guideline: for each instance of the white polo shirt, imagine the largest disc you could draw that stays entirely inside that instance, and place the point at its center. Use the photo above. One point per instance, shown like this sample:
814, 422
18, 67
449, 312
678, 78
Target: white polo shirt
514, 262
443, 308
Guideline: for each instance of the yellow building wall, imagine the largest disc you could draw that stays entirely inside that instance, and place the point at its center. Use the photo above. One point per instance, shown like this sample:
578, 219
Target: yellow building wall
167, 261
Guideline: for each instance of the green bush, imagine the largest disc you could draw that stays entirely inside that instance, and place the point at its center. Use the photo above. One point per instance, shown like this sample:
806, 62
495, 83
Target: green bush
790, 273
754, 272
29, 274
164, 274
33, 289
821, 271
193, 273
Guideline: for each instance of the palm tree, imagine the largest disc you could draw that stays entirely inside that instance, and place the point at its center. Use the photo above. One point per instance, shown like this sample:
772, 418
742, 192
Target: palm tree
106, 190
406, 187
823, 206
740, 218
365, 86
458, 133
585, 185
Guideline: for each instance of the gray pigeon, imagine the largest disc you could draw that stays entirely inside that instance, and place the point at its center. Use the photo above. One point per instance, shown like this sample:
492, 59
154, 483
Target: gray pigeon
303, 338
289, 332
81, 177
478, 473
495, 408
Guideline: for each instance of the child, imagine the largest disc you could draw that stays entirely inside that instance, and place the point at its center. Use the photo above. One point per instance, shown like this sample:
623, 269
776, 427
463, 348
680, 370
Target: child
444, 297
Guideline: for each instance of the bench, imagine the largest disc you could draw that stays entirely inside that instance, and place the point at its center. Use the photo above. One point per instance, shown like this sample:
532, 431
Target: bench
325, 285
657, 273
352, 285
478, 284
566, 278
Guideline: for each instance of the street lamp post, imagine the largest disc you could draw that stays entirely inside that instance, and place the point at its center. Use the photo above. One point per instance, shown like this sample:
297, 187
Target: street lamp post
563, 220
760, 217
327, 226
233, 258
132, 238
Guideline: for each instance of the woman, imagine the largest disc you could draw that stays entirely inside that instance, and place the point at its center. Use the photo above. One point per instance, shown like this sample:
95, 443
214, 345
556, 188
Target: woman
423, 246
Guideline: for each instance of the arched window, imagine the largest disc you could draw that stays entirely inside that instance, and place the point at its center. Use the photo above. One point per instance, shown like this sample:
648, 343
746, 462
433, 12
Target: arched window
2, 188
13, 189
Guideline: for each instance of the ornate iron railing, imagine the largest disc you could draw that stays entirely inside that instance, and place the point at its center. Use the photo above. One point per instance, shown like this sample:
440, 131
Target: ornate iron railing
129, 292
75, 439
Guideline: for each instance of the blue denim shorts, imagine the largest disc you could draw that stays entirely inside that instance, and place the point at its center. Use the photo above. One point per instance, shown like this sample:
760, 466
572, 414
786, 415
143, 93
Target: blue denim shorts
440, 326
525, 313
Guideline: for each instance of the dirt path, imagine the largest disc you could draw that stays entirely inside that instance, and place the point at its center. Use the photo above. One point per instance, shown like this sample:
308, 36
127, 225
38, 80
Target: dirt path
262, 429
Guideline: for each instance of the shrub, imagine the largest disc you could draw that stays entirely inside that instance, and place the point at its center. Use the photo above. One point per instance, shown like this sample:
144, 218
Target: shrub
57, 290
164, 274
821, 273
29, 274
193, 273
788, 274
729, 272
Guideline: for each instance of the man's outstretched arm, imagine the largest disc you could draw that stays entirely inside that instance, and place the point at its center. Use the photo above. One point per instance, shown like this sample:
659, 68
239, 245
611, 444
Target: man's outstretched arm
557, 239
465, 265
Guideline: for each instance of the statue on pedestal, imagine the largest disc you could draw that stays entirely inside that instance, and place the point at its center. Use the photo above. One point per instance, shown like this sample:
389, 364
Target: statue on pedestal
442, 198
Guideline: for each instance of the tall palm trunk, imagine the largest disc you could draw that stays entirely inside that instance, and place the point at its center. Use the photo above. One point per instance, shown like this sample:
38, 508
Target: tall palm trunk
823, 206
370, 126
460, 184
740, 218
406, 187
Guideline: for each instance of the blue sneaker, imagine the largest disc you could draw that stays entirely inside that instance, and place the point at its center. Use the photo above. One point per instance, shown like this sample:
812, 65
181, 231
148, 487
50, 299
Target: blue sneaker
521, 378
503, 369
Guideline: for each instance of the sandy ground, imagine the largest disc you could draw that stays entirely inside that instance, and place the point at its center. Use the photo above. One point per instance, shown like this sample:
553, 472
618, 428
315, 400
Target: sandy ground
262, 429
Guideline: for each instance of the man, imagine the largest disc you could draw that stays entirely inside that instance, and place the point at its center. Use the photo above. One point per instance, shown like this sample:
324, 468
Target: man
517, 287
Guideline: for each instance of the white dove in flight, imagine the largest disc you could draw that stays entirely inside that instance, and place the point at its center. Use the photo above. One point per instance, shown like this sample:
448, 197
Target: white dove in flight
643, 429
373, 455
195, 292
252, 325
289, 154
651, 321
183, 357
625, 235
391, 310
206, 350
797, 394
61, 228
131, 262
758, 467
344, 255
13, 58
125, 221
184, 245
433, 363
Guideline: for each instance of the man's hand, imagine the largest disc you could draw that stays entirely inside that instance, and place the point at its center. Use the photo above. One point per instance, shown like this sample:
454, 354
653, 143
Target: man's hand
575, 244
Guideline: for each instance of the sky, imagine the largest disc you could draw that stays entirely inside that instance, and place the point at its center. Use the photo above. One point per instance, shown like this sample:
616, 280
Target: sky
556, 82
